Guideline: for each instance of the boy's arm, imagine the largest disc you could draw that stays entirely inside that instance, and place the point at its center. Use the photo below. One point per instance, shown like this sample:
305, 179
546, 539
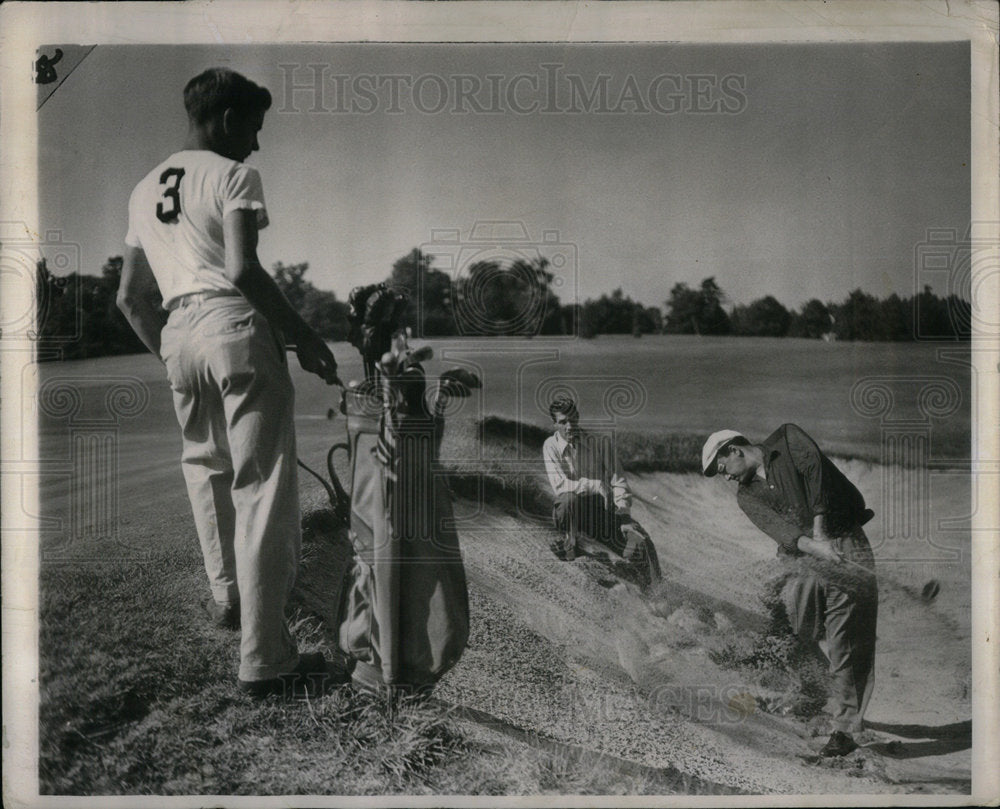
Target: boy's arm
785, 532
137, 294
243, 268
621, 494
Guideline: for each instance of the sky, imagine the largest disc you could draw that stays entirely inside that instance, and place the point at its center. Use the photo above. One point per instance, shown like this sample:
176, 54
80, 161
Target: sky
794, 170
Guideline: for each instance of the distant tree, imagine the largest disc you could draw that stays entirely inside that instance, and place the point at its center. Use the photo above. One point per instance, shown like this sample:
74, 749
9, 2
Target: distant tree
327, 315
81, 311
610, 314
683, 308
714, 319
941, 318
960, 316
765, 317
857, 318
696, 311
617, 313
508, 299
647, 320
812, 321
319, 308
577, 315
571, 320
291, 281
429, 309
896, 319
55, 315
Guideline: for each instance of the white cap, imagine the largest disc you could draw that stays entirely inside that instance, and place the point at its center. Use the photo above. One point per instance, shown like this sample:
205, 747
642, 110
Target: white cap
716, 441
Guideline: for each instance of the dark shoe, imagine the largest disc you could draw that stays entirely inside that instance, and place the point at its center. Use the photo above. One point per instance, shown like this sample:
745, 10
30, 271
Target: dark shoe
564, 548
312, 677
839, 744
224, 616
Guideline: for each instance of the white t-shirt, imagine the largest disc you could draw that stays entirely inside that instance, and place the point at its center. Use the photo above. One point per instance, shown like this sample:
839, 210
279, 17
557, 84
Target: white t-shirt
175, 215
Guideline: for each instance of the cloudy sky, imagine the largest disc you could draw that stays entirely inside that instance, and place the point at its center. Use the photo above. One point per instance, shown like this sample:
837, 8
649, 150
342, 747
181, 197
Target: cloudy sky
798, 170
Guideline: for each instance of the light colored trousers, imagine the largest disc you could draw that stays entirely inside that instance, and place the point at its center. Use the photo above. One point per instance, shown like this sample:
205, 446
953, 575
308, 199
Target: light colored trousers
234, 401
842, 617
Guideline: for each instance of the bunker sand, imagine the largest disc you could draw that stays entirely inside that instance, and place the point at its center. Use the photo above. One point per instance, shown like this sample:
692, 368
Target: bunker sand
568, 651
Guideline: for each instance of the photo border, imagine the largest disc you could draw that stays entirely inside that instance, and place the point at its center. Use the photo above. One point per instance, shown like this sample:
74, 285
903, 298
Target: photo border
26, 25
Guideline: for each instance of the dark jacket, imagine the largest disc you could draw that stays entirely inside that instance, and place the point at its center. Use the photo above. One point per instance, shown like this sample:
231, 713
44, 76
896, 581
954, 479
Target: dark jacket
801, 483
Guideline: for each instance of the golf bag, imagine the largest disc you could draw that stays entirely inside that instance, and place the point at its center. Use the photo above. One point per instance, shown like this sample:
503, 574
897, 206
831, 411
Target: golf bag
405, 613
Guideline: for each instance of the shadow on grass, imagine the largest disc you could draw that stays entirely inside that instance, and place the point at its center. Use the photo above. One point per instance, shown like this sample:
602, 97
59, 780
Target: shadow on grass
935, 740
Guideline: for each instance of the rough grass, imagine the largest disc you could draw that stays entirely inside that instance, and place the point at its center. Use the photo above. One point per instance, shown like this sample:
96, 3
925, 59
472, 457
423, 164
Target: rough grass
138, 697
791, 671
639, 451
138, 691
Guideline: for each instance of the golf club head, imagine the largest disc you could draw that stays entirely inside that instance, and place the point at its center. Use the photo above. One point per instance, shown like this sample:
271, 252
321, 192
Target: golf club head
930, 591
458, 383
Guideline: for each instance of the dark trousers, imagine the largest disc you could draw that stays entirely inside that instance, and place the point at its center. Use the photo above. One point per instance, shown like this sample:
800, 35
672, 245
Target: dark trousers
587, 514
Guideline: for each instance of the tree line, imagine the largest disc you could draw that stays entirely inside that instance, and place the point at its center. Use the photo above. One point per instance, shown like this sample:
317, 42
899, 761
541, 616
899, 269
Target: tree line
78, 315
860, 316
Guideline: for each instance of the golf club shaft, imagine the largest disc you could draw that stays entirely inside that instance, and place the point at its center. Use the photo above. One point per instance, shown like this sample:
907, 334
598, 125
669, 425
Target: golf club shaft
858, 566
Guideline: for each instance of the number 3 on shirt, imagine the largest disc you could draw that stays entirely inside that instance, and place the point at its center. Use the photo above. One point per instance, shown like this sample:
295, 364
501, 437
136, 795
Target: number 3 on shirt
170, 208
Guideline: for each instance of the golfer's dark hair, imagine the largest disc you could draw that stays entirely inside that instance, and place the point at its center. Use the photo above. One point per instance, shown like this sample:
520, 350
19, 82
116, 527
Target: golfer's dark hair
562, 404
217, 89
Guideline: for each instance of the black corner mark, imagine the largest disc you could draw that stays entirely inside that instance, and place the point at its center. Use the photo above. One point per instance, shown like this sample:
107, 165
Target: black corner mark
45, 73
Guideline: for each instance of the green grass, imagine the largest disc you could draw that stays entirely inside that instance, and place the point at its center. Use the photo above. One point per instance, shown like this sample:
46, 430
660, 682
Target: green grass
686, 385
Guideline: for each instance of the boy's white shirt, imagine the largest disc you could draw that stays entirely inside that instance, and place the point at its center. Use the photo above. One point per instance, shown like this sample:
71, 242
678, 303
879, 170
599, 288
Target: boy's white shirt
188, 255
564, 477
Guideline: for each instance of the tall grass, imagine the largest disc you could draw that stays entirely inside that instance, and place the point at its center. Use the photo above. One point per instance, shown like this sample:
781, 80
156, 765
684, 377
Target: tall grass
776, 659
138, 696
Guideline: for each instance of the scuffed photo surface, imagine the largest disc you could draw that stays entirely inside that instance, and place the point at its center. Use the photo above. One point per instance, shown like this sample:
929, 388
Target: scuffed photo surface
682, 237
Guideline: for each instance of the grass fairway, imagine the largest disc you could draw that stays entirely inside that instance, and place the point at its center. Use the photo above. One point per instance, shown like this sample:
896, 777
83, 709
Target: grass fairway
137, 690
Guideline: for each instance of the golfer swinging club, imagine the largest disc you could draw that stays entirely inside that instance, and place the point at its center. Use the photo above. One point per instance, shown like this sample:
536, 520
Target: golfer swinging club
795, 495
